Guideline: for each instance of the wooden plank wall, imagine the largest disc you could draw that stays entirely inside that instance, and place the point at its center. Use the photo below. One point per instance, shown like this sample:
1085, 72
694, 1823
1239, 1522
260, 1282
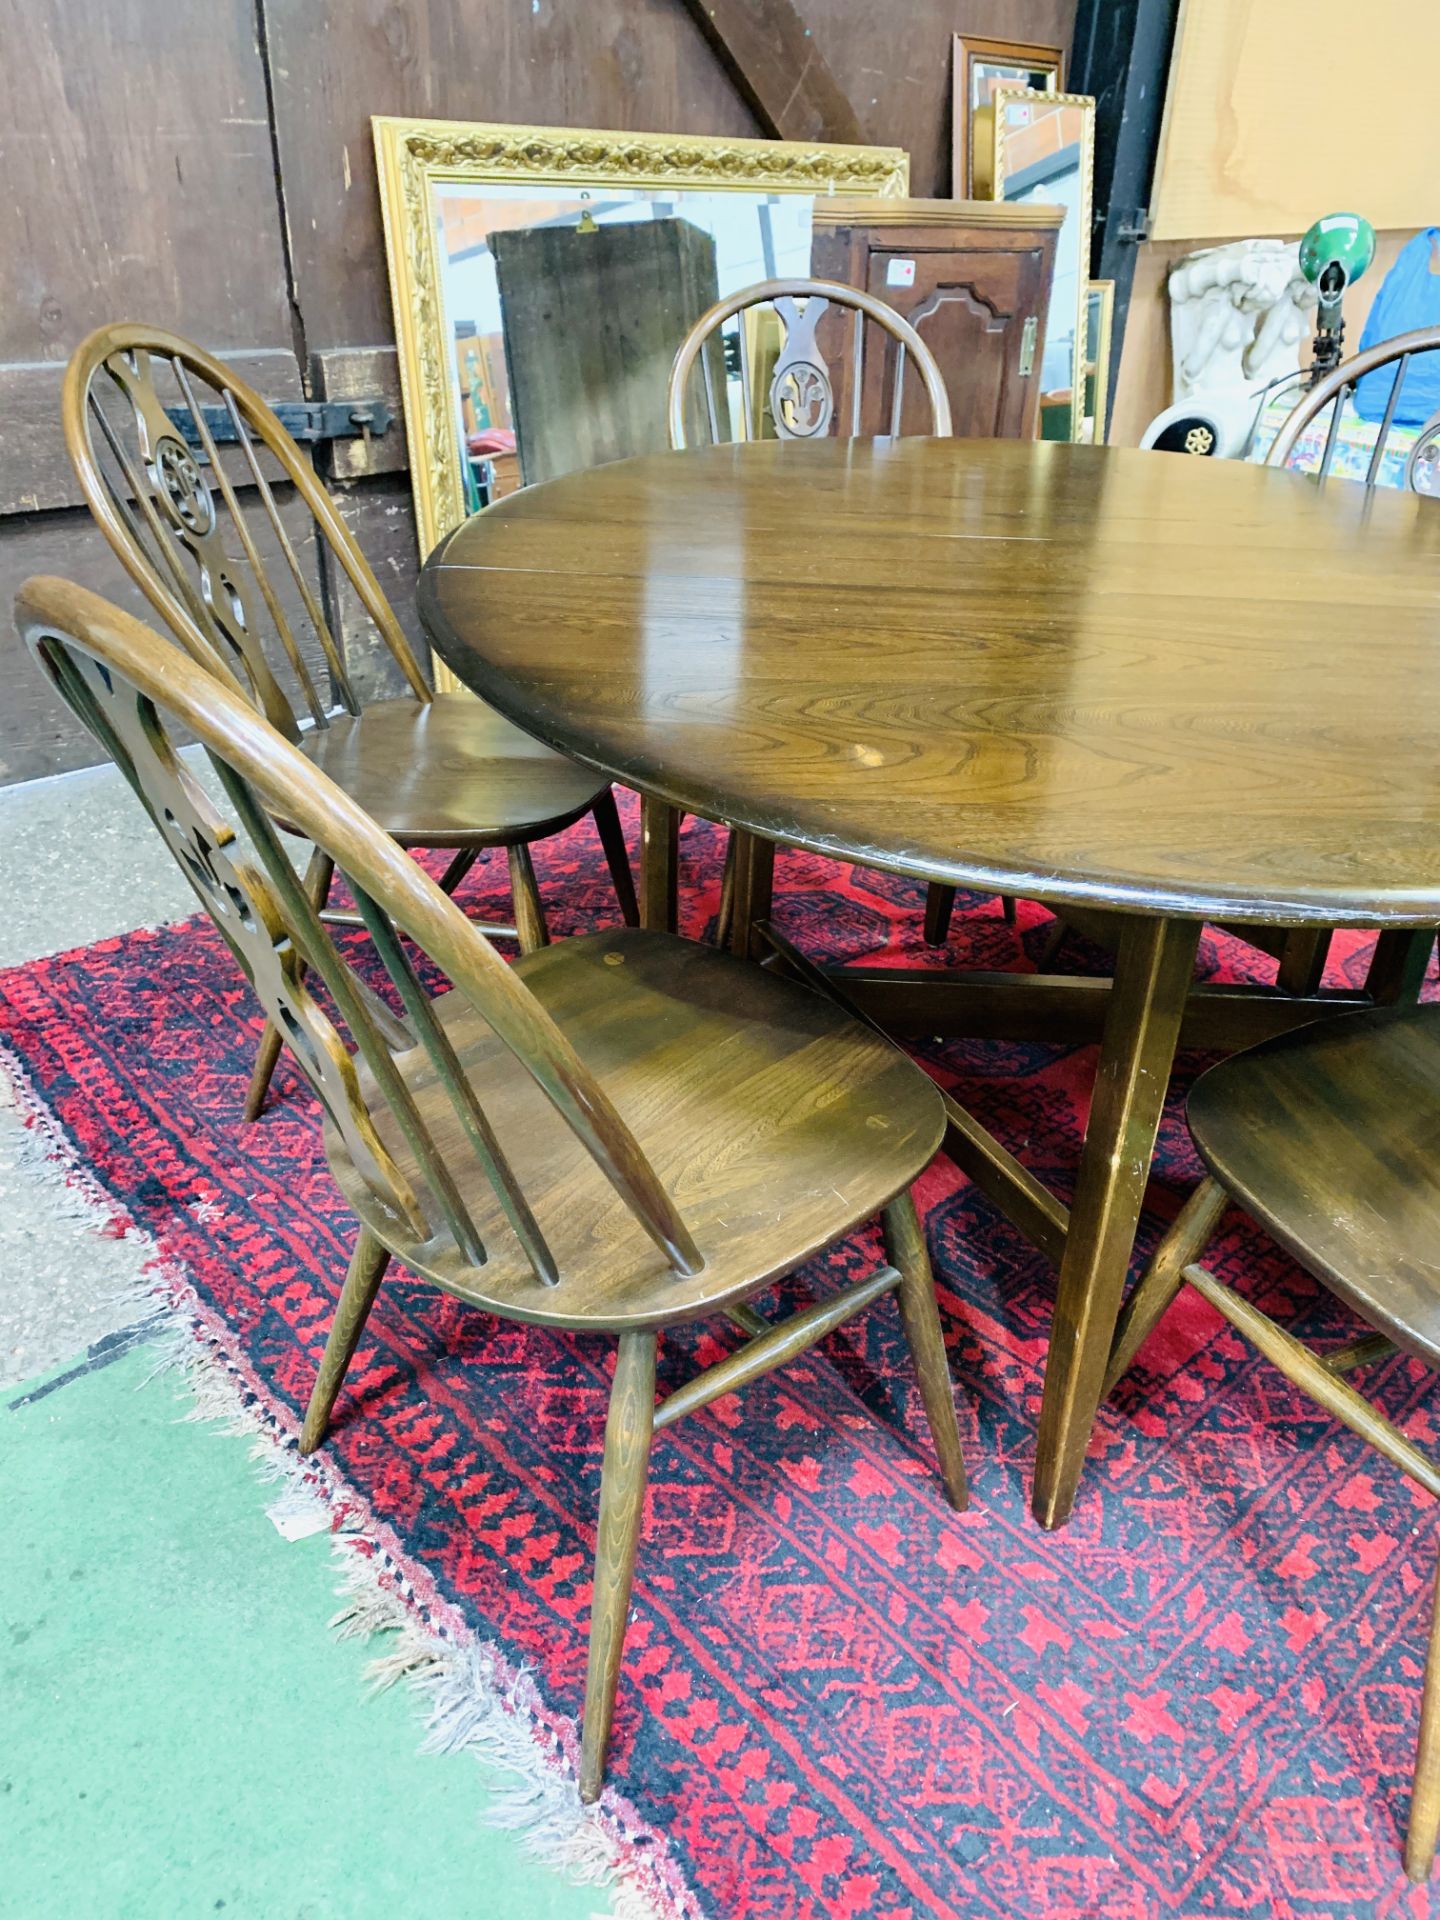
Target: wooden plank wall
207, 164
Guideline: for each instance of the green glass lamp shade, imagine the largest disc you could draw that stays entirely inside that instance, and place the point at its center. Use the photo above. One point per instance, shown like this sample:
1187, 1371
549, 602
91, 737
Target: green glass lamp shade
1341, 240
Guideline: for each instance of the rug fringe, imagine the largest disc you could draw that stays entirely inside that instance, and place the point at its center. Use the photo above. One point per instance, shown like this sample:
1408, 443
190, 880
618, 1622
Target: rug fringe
474, 1700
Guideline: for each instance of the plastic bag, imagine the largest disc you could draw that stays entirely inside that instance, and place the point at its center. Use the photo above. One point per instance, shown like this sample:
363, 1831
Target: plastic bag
1409, 297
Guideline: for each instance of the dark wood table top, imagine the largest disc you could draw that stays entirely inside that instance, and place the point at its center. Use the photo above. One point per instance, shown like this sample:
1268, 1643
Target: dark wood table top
1068, 673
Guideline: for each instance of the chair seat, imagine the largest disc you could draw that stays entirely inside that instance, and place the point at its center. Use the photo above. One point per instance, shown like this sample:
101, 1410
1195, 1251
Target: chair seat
1330, 1137
775, 1121
451, 772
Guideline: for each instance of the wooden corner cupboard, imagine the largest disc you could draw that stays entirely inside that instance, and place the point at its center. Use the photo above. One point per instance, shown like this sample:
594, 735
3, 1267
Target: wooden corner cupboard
973, 278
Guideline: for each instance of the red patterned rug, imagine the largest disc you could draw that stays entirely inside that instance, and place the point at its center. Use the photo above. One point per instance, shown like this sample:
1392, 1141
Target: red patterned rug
839, 1698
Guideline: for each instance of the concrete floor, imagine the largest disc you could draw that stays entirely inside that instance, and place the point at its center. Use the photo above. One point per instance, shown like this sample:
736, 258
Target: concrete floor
181, 1734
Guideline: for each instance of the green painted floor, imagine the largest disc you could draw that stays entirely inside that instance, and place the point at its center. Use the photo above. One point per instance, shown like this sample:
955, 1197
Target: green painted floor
179, 1735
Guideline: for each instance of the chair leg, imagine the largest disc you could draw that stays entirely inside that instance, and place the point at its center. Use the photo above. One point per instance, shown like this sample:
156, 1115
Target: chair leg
1008, 910
1150, 1297
357, 1296
529, 913
617, 856
628, 1430
727, 897
754, 890
318, 875
939, 905
1302, 961
920, 1317
1425, 1793
458, 868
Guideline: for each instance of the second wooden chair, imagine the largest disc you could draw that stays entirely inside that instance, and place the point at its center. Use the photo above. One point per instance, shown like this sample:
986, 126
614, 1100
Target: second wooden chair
1328, 1137
169, 444
797, 380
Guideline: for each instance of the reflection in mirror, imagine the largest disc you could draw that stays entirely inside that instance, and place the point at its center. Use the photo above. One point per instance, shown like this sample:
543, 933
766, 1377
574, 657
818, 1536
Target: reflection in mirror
1045, 152
566, 309
980, 67
543, 278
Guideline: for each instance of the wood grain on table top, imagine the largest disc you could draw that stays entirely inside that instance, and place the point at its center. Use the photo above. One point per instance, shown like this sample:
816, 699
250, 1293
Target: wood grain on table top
1060, 671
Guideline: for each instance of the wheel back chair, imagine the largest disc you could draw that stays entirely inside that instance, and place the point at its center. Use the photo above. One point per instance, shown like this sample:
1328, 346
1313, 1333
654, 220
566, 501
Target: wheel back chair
1302, 953
621, 1133
165, 440
1330, 1138
787, 392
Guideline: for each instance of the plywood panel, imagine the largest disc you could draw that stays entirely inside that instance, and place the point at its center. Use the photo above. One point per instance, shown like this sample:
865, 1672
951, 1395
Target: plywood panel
1282, 110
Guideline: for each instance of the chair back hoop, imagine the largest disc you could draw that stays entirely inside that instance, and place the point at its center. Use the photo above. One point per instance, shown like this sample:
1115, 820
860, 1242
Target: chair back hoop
1337, 387
245, 593
125, 684
800, 399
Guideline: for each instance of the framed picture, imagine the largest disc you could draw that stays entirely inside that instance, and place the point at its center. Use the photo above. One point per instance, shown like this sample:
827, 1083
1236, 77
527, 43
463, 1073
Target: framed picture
979, 67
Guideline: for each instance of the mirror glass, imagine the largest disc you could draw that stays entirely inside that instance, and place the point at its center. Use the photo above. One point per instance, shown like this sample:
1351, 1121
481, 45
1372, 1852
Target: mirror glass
1044, 154
564, 309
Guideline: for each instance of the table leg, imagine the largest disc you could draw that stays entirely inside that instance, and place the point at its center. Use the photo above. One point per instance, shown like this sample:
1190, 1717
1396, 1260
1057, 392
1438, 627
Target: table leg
752, 890
659, 864
1400, 963
1153, 970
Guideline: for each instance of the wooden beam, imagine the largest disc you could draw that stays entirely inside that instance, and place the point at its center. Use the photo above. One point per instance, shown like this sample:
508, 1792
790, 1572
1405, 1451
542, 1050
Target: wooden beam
771, 56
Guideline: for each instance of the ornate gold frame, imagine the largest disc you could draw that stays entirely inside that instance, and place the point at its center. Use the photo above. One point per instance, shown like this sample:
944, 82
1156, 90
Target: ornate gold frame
414, 155
967, 131
1097, 351
1003, 98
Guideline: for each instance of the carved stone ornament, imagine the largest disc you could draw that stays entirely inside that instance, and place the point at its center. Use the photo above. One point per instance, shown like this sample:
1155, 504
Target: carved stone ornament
1238, 314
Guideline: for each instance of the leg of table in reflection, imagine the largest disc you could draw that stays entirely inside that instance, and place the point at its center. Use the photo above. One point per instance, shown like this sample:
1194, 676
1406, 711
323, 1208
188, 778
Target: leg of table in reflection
1153, 972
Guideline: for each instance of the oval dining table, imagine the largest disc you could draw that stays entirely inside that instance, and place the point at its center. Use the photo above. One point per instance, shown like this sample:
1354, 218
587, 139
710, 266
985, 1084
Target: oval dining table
1177, 690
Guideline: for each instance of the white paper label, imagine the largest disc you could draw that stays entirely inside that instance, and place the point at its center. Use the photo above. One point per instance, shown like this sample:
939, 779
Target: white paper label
900, 273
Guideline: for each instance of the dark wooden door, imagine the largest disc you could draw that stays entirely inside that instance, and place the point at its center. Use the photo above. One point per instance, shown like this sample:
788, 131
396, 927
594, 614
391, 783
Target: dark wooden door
135, 140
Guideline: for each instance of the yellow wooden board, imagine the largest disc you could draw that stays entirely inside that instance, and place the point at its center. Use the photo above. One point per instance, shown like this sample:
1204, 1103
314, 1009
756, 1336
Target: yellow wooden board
1282, 110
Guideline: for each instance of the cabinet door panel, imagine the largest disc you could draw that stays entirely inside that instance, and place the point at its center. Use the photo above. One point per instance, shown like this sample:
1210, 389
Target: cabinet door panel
970, 310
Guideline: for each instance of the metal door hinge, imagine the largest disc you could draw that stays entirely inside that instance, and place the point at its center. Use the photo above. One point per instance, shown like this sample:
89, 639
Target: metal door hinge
304, 420
1135, 227
1028, 334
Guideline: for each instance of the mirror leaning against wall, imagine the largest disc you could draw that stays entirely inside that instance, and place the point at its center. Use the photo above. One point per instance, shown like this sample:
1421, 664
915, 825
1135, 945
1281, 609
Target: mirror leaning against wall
1045, 153
544, 278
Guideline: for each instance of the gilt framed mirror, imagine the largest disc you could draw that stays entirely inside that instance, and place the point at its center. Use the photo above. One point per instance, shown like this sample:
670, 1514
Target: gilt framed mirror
544, 277
1044, 151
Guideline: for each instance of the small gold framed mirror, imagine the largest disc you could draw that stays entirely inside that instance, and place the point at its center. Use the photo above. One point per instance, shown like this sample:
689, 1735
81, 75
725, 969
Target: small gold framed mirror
978, 67
1044, 151
544, 277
